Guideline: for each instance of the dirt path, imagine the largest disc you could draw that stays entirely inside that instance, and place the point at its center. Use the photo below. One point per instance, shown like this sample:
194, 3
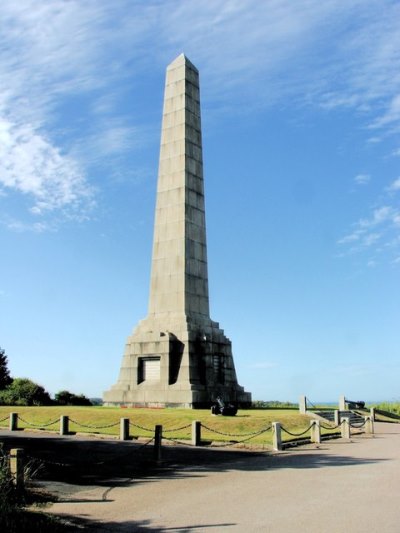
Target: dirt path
340, 486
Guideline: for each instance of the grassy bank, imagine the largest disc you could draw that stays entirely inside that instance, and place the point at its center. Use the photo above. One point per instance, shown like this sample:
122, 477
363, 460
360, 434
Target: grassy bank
390, 407
105, 420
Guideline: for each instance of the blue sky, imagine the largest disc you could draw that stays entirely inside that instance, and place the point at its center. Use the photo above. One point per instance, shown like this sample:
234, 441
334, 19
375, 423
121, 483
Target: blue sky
301, 140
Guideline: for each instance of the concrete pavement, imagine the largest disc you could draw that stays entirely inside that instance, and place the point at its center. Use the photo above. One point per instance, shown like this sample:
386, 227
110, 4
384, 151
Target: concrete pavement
336, 487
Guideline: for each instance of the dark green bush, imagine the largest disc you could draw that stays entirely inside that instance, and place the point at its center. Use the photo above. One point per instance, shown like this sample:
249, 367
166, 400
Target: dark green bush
65, 397
23, 391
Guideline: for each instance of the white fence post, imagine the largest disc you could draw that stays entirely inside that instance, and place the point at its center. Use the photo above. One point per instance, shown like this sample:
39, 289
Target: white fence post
342, 403
316, 432
345, 427
369, 425
302, 405
276, 436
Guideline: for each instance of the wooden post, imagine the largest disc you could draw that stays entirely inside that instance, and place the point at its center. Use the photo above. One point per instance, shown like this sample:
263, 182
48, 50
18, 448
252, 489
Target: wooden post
64, 425
345, 427
369, 425
372, 414
17, 468
124, 429
342, 403
337, 417
196, 433
13, 421
157, 443
302, 405
276, 436
316, 432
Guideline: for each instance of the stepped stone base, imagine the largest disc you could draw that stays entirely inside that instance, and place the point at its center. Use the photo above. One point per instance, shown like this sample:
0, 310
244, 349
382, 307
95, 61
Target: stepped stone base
188, 368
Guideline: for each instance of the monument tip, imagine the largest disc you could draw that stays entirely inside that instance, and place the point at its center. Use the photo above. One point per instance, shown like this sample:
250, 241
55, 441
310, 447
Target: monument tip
181, 60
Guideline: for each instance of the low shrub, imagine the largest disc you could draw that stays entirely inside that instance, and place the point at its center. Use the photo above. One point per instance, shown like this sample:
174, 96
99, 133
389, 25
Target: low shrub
273, 404
8, 497
14, 516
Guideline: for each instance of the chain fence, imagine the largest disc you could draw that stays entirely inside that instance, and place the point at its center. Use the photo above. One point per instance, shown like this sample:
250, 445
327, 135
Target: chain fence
187, 426
358, 425
107, 426
131, 424
120, 460
243, 437
32, 424
252, 434
308, 401
297, 434
235, 443
331, 427
167, 430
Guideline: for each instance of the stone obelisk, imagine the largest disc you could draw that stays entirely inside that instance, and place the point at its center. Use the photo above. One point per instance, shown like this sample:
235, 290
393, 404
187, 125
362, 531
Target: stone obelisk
178, 356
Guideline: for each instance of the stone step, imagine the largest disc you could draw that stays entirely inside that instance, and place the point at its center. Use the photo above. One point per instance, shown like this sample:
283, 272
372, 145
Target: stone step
330, 416
327, 415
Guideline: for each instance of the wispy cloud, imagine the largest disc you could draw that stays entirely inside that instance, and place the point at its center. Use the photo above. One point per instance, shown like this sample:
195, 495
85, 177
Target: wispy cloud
303, 53
362, 179
53, 54
21, 227
57, 57
32, 166
395, 185
35, 65
379, 215
391, 115
379, 232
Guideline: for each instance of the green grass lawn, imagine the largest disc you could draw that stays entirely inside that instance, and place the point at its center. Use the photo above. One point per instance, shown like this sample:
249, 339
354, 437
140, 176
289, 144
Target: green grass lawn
96, 420
390, 407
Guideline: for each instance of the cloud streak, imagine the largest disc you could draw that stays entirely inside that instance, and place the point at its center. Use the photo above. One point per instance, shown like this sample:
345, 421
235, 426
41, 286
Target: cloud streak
362, 179
377, 233
32, 166
61, 56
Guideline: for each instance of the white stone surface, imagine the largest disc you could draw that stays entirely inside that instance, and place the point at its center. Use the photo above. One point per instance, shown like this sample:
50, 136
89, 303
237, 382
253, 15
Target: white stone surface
178, 327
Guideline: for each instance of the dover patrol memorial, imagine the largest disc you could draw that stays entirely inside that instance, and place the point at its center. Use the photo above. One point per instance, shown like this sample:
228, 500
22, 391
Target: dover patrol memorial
177, 356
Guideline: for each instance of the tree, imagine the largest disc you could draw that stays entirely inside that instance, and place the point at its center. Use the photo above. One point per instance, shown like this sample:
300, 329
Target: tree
65, 397
23, 391
5, 378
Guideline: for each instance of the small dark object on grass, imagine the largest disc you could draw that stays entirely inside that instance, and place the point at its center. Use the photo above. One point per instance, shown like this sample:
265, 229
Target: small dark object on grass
220, 408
